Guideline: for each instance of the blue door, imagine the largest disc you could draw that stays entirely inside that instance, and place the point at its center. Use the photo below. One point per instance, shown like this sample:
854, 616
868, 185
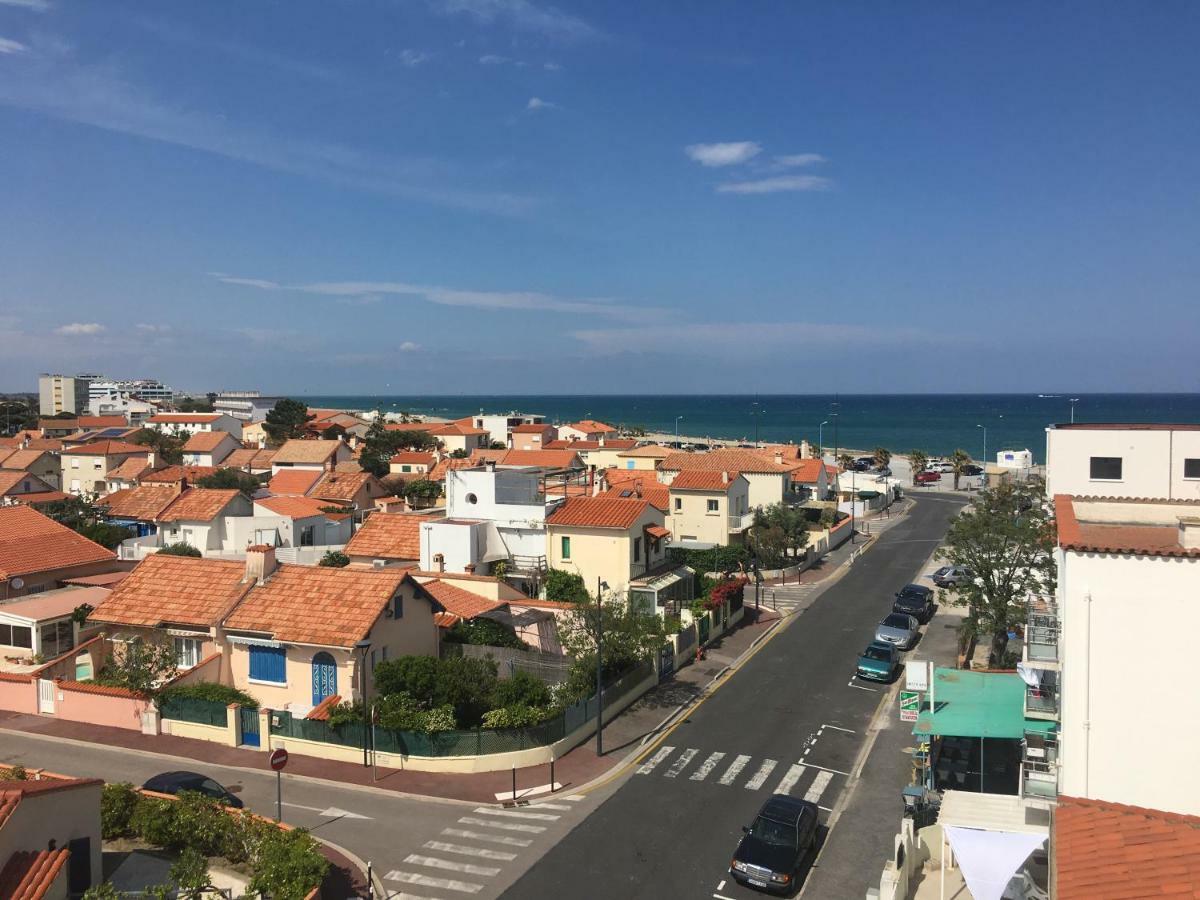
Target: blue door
324, 677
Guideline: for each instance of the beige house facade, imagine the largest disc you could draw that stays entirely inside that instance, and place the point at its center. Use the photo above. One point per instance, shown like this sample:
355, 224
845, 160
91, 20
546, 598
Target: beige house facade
613, 540
709, 508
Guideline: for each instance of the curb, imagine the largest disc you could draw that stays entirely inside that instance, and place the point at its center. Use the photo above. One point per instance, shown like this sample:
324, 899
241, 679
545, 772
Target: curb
375, 883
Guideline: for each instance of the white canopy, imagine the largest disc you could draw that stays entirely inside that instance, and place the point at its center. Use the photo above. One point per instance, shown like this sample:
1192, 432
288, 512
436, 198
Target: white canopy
991, 835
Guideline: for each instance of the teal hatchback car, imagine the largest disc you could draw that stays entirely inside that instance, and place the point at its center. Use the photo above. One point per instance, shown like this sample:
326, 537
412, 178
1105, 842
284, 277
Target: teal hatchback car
879, 661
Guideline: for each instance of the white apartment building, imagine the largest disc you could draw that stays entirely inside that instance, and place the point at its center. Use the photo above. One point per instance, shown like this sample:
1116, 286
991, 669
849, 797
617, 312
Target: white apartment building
193, 423
105, 390
500, 425
63, 394
1155, 461
246, 406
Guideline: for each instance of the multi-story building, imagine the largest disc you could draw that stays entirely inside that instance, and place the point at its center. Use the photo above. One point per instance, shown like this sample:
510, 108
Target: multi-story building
500, 425
1123, 460
59, 394
104, 391
248, 406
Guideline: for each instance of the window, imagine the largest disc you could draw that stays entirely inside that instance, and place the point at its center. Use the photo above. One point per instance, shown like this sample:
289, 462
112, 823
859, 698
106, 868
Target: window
75, 485
16, 636
629, 464
397, 609
308, 536
187, 652
97, 464
383, 654
57, 638
74, 462
637, 549
1191, 468
406, 468
268, 664
678, 504
713, 505
1106, 468
566, 548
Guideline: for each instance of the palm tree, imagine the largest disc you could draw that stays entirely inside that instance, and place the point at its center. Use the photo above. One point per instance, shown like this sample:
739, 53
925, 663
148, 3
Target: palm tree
846, 461
917, 460
959, 460
883, 456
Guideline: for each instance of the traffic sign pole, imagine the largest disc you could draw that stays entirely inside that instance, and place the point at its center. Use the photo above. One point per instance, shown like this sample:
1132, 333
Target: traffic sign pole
278, 760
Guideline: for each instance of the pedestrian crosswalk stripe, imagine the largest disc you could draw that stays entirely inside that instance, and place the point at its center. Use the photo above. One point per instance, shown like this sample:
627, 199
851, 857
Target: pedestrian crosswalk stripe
707, 766
761, 775
515, 814
574, 797
481, 852
435, 862
734, 768
817, 788
789, 779
548, 806
648, 766
503, 826
449, 884
489, 838
681, 763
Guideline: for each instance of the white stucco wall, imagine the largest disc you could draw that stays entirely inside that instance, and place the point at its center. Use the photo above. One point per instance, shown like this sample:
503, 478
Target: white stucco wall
1152, 462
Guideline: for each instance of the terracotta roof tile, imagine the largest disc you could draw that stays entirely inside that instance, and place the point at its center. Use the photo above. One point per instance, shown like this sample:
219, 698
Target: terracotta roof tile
458, 429
249, 458
611, 444
411, 426
807, 471
343, 485
590, 426
1110, 851
31, 542
175, 474
549, 459
130, 470
320, 712
199, 505
445, 464
29, 875
413, 456
317, 604
207, 441
107, 448
657, 531
11, 478
1133, 540
459, 602
651, 451
310, 452
296, 482
102, 422
389, 536
183, 418
21, 459
533, 429
598, 512
658, 495
717, 460
703, 480
177, 589
295, 507
145, 503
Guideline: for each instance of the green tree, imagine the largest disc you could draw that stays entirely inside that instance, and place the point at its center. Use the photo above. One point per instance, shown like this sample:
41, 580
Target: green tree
380, 445
780, 526
181, 548
18, 413
286, 421
140, 665
1006, 538
566, 587
236, 479
828, 518
195, 404
917, 461
415, 676
189, 874
959, 460
485, 633
497, 445
167, 447
846, 461
883, 456
522, 689
460, 453
630, 636
422, 492
81, 514
334, 559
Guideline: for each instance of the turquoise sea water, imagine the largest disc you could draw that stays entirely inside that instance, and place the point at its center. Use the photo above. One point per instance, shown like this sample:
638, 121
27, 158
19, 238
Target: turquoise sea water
935, 423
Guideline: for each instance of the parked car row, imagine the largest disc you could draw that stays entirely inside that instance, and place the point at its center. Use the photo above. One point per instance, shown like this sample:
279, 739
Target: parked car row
899, 630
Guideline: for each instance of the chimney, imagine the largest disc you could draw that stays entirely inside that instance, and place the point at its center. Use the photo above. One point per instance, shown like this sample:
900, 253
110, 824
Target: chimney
437, 455
637, 489
490, 465
439, 560
1189, 532
150, 458
601, 442
260, 563
724, 477
779, 457
181, 485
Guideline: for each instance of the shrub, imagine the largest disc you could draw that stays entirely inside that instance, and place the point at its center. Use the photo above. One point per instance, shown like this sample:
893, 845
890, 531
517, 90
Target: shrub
208, 690
566, 587
725, 591
334, 559
466, 684
484, 632
522, 689
15, 773
181, 548
103, 891
716, 559
517, 716
153, 820
117, 803
412, 675
287, 865
189, 873
345, 713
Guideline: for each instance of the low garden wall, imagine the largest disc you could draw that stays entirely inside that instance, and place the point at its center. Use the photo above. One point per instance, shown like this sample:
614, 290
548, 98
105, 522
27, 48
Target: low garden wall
82, 701
18, 693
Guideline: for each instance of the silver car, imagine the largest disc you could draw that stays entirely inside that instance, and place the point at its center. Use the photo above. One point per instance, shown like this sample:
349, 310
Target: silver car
899, 629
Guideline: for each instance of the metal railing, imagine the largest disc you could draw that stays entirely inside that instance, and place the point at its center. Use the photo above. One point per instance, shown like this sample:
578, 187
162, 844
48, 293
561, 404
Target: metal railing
1041, 632
1039, 768
741, 521
1043, 699
521, 564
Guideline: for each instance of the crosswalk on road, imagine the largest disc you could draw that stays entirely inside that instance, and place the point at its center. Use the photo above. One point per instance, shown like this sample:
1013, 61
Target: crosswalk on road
786, 598
800, 779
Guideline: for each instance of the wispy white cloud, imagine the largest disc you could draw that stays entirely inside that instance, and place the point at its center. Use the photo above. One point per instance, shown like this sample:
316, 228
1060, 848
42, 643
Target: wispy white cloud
727, 154
732, 338
409, 347
536, 103
552, 67
413, 58
493, 59
35, 5
78, 328
152, 328
522, 15
799, 160
776, 185
55, 85
10, 46
530, 301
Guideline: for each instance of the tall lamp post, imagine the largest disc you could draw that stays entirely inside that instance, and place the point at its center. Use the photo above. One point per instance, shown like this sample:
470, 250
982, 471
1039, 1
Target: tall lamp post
1073, 401
821, 439
984, 427
363, 646
601, 587
677, 418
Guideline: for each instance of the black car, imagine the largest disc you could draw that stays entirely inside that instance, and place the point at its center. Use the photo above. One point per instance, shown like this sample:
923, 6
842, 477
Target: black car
972, 470
916, 600
774, 847
179, 782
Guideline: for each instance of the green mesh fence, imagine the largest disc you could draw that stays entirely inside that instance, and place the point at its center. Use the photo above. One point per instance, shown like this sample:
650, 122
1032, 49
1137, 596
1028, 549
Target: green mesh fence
193, 709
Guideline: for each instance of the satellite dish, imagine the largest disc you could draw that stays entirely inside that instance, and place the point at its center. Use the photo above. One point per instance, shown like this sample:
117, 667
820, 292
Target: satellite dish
17, 583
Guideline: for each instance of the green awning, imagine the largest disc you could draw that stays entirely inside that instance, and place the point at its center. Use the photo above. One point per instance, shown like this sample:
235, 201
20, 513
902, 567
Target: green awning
974, 704
867, 495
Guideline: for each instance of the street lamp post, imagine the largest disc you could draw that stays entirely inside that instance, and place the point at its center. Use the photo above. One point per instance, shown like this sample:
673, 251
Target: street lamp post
1074, 400
821, 439
677, 418
600, 586
853, 500
363, 646
984, 427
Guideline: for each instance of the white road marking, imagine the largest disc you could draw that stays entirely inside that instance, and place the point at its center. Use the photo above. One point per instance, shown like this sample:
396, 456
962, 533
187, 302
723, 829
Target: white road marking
574, 797
732, 772
681, 763
761, 775
789, 780
450, 884
827, 769
503, 826
648, 766
529, 792
722, 897
859, 687
839, 728
331, 812
481, 852
818, 786
721, 886
549, 806
434, 862
707, 766
515, 814
490, 838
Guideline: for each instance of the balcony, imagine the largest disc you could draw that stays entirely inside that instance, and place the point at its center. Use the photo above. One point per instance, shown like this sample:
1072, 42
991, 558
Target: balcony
1039, 767
1042, 702
740, 522
1041, 632
526, 565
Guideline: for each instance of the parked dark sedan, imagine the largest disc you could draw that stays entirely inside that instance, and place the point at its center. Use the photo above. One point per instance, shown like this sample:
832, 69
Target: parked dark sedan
972, 470
915, 600
774, 847
179, 782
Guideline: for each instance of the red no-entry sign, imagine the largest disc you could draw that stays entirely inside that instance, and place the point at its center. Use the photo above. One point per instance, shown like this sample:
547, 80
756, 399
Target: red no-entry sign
279, 759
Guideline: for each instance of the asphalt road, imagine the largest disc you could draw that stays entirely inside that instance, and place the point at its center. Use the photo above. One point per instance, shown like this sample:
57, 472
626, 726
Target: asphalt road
791, 720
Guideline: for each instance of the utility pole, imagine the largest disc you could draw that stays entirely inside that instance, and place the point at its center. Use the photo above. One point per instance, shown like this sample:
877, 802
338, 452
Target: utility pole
600, 585
834, 415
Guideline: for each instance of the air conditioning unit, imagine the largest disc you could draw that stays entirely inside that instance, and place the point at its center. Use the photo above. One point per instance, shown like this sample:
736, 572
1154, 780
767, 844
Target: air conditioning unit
378, 563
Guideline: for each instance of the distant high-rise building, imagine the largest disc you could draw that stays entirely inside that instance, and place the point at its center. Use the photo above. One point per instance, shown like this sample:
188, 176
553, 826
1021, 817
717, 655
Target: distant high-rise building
63, 394
103, 391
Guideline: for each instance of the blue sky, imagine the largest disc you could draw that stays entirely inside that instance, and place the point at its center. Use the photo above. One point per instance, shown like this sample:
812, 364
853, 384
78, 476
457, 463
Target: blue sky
413, 196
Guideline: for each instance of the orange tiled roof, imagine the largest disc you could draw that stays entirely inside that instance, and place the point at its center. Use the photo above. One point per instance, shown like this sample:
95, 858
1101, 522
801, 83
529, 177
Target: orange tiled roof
657, 495
411, 426
342, 485
459, 602
413, 456
130, 470
549, 459
532, 428
717, 460
590, 426
789, 452
102, 422
145, 502
703, 480
41, 443
652, 451
183, 418
207, 441
10, 478
610, 444
1110, 851
1134, 540
807, 471
320, 712
598, 512
317, 604
21, 459
249, 457
657, 531
311, 452
31, 542
458, 429
175, 474
389, 536
199, 504
30, 874
446, 463
107, 448
297, 482
295, 507
176, 589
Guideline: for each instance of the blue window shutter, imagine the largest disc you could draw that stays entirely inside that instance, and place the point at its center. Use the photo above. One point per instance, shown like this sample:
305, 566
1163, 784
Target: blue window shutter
268, 664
